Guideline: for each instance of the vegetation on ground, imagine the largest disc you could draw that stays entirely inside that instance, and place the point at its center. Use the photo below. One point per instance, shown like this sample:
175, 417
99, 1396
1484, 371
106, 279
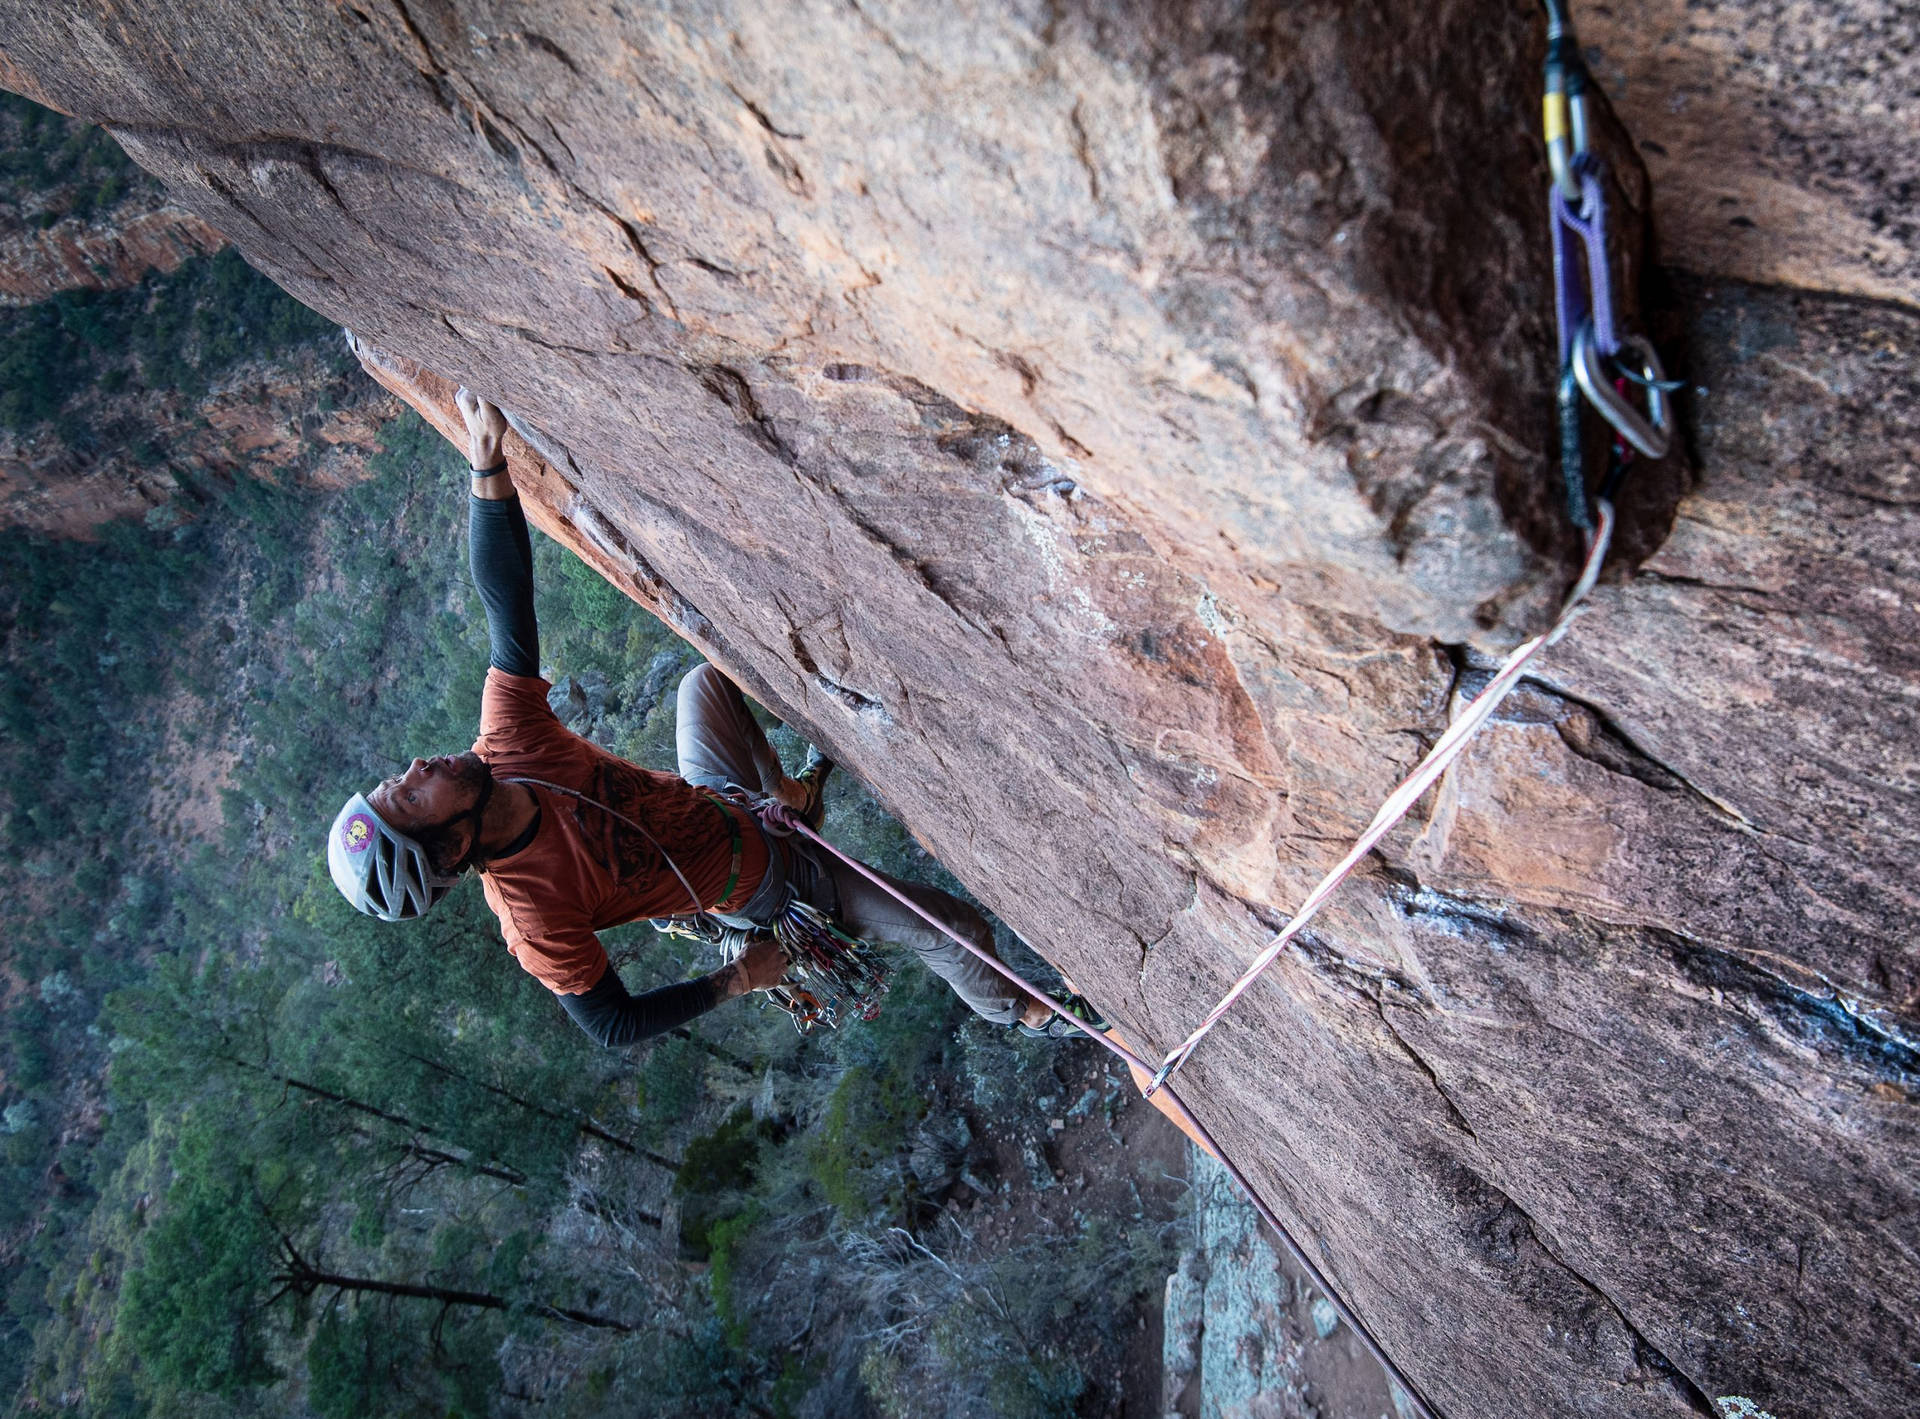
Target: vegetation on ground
176, 331
52, 166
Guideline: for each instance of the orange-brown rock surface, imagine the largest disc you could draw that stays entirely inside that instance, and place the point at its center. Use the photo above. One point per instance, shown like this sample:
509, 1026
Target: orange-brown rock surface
1119, 432
102, 254
289, 418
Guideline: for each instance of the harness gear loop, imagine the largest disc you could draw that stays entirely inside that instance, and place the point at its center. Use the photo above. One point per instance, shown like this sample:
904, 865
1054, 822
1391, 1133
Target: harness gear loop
838, 974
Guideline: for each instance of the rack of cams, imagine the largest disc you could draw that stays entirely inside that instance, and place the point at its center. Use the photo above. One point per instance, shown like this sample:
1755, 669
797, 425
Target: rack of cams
832, 975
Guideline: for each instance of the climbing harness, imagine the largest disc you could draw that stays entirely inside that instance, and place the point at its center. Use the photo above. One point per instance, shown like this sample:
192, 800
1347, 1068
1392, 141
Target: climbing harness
832, 975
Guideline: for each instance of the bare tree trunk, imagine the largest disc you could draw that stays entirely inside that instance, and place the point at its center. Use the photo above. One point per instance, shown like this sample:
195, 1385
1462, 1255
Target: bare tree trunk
585, 1125
301, 1277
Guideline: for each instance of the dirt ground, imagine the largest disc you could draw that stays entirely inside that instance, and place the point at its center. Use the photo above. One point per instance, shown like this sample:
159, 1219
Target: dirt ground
1093, 1149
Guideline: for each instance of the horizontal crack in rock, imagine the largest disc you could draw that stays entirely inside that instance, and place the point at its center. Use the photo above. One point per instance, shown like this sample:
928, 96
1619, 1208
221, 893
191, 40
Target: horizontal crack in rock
1732, 816
1829, 1022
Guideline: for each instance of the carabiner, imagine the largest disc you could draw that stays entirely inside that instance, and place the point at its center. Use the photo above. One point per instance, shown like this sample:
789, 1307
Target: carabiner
1650, 434
1564, 107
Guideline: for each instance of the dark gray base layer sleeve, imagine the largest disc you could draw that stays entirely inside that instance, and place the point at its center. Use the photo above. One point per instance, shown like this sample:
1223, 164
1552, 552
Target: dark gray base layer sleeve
500, 554
616, 1019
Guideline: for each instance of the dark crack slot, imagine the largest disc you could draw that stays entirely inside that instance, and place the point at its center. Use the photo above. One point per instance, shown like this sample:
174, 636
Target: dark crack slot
1454, 1115
1824, 1022
863, 705
1499, 1236
730, 387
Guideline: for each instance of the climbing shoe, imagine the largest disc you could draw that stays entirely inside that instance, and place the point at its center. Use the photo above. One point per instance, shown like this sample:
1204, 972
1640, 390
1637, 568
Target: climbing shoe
1077, 1006
813, 778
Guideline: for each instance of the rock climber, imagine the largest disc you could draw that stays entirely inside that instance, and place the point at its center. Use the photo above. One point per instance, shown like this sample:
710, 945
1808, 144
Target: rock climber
568, 839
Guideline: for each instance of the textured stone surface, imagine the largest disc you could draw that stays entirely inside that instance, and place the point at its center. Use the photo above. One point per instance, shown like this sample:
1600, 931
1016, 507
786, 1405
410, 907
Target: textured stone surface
101, 254
1245, 1335
1118, 434
1783, 135
290, 418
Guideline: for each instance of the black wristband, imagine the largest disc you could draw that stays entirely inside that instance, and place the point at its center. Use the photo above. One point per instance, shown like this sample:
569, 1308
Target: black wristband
487, 472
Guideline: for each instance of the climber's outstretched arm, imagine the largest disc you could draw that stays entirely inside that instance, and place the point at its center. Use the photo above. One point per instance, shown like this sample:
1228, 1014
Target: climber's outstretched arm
615, 1018
499, 550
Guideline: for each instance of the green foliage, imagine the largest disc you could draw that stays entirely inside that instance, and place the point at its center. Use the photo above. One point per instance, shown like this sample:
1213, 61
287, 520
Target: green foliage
366, 1361
192, 1312
714, 1177
179, 331
1046, 1388
668, 1089
74, 168
861, 1128
724, 1241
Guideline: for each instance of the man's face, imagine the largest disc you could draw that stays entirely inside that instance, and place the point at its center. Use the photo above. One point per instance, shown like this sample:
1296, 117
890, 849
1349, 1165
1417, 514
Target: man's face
430, 792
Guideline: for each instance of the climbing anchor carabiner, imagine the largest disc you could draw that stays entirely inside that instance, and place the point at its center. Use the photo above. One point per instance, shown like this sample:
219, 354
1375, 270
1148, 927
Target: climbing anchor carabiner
1650, 434
1564, 106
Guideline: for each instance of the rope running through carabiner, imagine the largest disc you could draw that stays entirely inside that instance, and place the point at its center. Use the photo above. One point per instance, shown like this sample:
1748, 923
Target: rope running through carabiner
1590, 344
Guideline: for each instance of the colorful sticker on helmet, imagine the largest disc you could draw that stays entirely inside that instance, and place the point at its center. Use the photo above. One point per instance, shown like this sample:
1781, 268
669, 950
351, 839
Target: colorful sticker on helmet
358, 833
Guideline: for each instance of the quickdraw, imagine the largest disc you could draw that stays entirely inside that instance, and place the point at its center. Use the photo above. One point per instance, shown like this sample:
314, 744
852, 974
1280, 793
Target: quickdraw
1591, 345
832, 975
1591, 375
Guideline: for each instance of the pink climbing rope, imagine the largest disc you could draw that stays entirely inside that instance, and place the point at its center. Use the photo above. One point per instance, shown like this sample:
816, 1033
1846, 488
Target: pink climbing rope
1445, 750
786, 818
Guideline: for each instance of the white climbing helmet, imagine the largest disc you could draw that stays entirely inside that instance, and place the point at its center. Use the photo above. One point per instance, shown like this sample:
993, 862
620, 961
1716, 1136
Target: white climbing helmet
381, 871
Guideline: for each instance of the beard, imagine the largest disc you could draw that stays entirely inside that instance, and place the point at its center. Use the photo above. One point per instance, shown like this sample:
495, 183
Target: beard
443, 844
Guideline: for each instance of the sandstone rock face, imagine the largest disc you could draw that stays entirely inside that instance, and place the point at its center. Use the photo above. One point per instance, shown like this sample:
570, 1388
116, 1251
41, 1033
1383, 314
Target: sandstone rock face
1783, 136
99, 255
1118, 432
292, 418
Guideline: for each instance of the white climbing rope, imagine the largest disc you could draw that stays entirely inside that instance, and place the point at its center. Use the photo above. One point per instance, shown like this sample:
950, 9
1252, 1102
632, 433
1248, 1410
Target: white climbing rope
1402, 799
